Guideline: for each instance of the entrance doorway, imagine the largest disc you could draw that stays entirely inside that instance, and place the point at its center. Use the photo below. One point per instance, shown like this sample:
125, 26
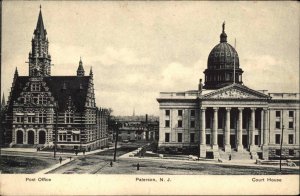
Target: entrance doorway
221, 140
30, 138
232, 141
19, 137
245, 141
42, 137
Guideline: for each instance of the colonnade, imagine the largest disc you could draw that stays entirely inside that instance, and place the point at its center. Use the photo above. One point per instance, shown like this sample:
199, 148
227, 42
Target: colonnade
227, 129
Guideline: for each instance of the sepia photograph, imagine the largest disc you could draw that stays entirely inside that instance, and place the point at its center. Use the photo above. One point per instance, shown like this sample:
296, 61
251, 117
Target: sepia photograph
149, 98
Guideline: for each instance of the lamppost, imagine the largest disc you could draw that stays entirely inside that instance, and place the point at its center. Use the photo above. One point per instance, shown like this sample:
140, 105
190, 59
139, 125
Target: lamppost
281, 148
116, 140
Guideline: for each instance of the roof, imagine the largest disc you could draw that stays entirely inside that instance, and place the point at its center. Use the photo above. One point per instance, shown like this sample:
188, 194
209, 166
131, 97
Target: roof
63, 88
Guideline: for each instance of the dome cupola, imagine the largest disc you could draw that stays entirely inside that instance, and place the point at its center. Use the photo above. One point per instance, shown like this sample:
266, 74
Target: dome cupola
223, 62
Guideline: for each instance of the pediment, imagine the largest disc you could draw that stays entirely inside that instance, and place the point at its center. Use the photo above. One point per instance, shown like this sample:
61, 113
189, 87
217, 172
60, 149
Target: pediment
235, 91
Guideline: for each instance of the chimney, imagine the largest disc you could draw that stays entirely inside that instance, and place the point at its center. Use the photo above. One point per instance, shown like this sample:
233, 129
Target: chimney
146, 118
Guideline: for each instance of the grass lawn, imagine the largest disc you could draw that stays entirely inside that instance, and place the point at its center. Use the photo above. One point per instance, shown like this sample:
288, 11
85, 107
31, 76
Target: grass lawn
180, 168
24, 165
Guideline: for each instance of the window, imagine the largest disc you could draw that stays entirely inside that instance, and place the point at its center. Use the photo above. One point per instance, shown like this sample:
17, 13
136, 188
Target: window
179, 123
179, 112
207, 121
291, 113
167, 137
192, 137
256, 140
291, 152
291, 125
193, 113
277, 139
167, 123
35, 87
20, 119
62, 137
207, 138
75, 137
167, 112
291, 138
278, 113
31, 119
277, 124
69, 117
179, 137
277, 152
42, 118
192, 124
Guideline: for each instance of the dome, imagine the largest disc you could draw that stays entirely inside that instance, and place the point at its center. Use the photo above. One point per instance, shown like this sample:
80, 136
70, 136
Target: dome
222, 57
223, 67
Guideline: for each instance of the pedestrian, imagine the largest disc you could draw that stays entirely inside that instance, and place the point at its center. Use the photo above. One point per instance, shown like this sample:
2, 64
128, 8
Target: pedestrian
84, 152
229, 157
60, 159
111, 163
70, 158
76, 152
138, 166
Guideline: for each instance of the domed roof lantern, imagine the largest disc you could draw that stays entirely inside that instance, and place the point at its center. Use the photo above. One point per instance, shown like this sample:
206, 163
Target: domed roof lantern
223, 67
223, 36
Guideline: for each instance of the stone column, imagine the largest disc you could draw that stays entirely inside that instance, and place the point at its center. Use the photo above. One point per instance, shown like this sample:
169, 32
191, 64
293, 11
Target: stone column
261, 136
215, 130
265, 147
227, 131
240, 131
265, 127
252, 131
202, 146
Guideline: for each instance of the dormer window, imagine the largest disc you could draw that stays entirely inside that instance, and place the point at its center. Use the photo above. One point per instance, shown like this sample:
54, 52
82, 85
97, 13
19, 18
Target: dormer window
69, 118
35, 87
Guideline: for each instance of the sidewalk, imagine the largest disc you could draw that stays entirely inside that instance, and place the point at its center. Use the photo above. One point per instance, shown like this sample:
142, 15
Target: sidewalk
30, 150
45, 171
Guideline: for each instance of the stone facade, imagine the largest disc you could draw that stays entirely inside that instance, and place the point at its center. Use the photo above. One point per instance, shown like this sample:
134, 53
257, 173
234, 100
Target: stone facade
225, 118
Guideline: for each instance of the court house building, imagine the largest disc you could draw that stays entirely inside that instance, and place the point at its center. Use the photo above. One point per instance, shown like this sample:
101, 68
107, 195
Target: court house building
225, 117
47, 111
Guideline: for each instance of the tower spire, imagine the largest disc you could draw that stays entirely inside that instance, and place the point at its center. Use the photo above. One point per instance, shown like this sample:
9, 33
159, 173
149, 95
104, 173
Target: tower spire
40, 29
223, 36
91, 72
39, 57
80, 70
16, 72
3, 102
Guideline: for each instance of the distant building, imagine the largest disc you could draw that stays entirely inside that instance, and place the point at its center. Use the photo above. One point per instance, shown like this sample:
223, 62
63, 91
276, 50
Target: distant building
224, 116
44, 109
133, 129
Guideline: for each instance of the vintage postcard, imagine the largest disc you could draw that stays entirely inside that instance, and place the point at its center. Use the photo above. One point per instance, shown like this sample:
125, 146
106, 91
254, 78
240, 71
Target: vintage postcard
149, 98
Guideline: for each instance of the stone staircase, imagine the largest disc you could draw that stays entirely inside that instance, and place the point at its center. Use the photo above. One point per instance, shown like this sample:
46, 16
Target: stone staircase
244, 155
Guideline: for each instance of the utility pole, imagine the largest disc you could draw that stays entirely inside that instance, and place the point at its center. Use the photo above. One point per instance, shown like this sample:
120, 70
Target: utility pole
116, 141
56, 127
281, 147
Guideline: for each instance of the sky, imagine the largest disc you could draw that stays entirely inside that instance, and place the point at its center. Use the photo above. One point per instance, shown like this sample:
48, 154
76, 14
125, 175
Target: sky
138, 49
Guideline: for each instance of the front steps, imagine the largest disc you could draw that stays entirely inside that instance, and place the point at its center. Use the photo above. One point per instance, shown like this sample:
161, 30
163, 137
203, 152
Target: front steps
242, 155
